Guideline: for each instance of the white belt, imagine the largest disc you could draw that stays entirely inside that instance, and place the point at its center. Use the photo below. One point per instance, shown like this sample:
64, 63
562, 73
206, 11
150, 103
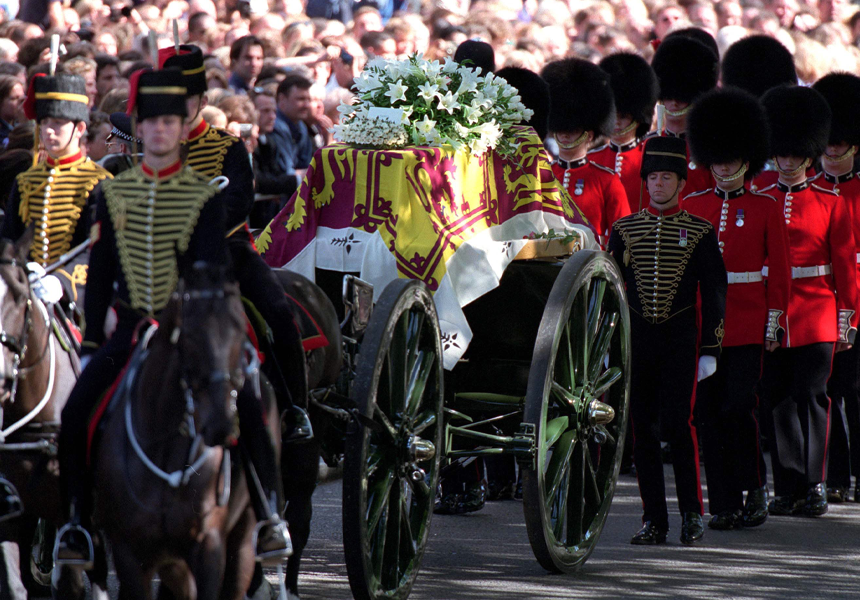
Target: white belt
747, 277
804, 272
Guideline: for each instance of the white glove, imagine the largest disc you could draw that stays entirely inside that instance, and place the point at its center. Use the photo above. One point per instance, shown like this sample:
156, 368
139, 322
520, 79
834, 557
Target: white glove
48, 289
85, 360
35, 271
707, 367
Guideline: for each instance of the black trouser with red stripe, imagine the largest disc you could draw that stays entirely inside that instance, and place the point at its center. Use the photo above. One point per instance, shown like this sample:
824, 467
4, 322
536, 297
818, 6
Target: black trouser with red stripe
795, 385
843, 459
726, 405
663, 374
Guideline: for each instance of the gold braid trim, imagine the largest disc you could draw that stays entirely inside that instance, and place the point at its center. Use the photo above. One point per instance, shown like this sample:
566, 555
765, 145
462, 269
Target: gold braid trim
152, 220
206, 153
56, 213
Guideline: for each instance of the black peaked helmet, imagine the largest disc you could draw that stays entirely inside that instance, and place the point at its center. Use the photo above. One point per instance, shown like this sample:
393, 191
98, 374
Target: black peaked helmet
157, 93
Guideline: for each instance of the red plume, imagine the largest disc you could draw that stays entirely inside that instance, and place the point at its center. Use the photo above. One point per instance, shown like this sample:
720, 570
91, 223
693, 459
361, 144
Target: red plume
30, 101
656, 44
166, 53
132, 91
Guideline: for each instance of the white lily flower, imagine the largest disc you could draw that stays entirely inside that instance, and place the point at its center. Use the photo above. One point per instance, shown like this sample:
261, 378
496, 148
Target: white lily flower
397, 91
426, 125
428, 91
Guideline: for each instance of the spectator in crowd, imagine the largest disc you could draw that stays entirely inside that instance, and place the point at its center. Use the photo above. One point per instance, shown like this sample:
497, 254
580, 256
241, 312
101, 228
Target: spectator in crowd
11, 100
291, 131
86, 68
96, 139
366, 18
666, 18
378, 44
271, 179
198, 25
107, 75
246, 61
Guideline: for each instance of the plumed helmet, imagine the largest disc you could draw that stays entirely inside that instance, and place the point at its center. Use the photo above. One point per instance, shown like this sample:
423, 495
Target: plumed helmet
634, 86
726, 125
190, 62
842, 92
799, 120
534, 93
757, 64
61, 96
685, 68
580, 97
664, 154
157, 93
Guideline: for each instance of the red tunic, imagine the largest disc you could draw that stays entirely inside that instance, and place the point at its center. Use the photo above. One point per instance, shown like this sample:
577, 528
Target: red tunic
751, 232
770, 177
847, 186
820, 235
597, 191
626, 161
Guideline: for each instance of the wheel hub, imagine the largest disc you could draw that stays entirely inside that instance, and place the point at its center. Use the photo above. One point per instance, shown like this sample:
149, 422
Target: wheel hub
419, 450
600, 413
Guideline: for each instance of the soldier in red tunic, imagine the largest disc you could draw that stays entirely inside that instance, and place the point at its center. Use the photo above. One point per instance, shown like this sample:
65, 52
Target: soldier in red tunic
582, 108
634, 86
686, 69
751, 233
822, 308
842, 92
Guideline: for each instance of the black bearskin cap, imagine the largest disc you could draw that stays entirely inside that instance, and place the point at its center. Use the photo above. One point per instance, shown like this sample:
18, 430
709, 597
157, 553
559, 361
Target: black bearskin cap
473, 53
664, 154
580, 97
190, 62
685, 69
61, 96
757, 64
799, 120
634, 86
698, 34
728, 124
842, 92
534, 93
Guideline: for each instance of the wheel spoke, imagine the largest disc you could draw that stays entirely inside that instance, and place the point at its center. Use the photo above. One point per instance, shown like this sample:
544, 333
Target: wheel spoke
590, 489
601, 344
567, 365
397, 368
595, 305
377, 527
391, 555
559, 506
610, 377
380, 416
575, 500
424, 420
415, 329
407, 540
378, 501
567, 400
374, 459
424, 367
554, 430
610, 439
579, 336
555, 470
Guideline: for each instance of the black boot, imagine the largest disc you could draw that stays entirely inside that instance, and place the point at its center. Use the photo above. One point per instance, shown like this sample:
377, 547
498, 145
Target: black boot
10, 502
785, 506
837, 494
271, 537
816, 501
74, 545
727, 520
650, 535
755, 509
692, 528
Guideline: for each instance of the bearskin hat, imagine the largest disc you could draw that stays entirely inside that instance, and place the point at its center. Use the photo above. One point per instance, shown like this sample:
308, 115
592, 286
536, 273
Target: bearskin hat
580, 97
61, 96
534, 93
726, 125
634, 86
157, 93
842, 92
663, 153
473, 53
685, 69
190, 62
698, 34
758, 63
799, 120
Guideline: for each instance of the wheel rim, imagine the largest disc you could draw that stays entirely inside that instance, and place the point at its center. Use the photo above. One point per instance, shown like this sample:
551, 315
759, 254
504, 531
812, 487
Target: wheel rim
582, 421
400, 446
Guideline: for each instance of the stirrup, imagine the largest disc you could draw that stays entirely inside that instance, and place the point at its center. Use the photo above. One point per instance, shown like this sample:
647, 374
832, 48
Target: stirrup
280, 526
12, 498
301, 430
85, 563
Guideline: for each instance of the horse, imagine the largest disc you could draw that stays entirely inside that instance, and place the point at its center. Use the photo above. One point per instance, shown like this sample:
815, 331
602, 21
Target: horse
170, 499
38, 369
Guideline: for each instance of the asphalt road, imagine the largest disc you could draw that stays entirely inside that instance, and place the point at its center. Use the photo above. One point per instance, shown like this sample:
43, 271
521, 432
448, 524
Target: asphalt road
486, 556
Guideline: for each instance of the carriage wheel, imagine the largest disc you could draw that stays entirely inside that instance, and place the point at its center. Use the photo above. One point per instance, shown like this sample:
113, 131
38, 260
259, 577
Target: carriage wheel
576, 400
392, 457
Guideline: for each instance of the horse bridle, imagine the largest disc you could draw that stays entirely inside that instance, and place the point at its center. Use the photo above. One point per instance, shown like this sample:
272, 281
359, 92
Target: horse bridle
17, 345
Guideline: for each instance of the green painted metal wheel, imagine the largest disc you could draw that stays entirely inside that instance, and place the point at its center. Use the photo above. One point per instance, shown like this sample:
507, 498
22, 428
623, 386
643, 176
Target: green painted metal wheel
576, 400
392, 457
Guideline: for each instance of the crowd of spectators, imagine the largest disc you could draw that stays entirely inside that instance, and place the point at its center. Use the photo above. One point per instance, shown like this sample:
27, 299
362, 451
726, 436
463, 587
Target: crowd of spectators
278, 69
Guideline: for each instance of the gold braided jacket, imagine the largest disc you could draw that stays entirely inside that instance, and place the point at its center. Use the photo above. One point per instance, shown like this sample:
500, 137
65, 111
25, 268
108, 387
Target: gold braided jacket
206, 153
152, 220
53, 197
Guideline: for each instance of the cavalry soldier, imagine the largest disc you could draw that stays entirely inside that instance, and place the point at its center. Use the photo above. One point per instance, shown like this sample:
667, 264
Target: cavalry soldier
727, 132
213, 152
686, 69
822, 307
53, 194
582, 108
666, 256
634, 86
135, 214
842, 92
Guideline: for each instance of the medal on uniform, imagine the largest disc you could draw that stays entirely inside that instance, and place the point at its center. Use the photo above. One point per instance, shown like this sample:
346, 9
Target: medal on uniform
740, 218
692, 166
683, 241
580, 183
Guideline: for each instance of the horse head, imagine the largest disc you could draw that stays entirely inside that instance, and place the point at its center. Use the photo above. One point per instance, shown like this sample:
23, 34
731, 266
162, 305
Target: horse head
209, 331
15, 309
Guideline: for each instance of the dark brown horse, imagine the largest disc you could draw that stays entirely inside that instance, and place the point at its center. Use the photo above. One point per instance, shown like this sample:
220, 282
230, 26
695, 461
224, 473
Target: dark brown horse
37, 371
163, 470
